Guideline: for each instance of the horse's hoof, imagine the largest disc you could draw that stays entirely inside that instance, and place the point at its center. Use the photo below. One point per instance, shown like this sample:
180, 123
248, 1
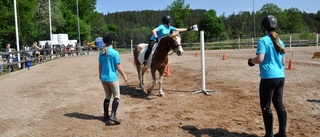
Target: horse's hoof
162, 95
142, 88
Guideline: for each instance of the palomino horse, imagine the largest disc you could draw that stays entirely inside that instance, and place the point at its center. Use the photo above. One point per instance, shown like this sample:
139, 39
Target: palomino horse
158, 59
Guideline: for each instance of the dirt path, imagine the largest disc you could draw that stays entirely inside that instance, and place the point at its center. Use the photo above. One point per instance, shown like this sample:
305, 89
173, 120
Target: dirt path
64, 98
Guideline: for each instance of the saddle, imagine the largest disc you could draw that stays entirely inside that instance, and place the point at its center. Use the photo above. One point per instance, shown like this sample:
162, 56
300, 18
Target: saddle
144, 47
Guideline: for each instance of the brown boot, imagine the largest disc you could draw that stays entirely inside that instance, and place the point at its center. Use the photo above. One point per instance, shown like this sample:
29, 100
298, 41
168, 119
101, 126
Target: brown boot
114, 118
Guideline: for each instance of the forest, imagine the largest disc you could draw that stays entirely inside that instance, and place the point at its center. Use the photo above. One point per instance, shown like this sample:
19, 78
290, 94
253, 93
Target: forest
34, 24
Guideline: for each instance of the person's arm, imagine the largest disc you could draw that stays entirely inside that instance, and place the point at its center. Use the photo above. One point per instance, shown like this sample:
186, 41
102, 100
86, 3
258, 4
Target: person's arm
258, 59
154, 32
283, 60
182, 29
99, 70
192, 28
122, 72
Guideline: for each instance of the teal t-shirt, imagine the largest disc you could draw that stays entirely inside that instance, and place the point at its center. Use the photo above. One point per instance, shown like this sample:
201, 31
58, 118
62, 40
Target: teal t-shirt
271, 66
109, 62
163, 30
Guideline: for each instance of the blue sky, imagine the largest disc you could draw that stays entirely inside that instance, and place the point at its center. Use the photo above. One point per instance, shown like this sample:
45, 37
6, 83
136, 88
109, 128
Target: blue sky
220, 6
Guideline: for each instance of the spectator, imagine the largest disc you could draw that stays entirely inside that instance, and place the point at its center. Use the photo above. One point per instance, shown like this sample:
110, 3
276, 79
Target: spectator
69, 50
46, 47
28, 58
1, 62
27, 50
37, 52
9, 58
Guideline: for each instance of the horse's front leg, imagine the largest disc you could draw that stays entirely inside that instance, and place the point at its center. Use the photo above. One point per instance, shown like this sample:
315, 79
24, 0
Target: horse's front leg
153, 81
160, 86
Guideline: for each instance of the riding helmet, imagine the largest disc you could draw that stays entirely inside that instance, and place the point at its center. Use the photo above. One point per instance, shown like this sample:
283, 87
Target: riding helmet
166, 19
269, 23
108, 38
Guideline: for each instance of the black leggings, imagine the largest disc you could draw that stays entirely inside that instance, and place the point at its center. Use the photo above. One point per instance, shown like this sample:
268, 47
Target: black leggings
149, 49
272, 90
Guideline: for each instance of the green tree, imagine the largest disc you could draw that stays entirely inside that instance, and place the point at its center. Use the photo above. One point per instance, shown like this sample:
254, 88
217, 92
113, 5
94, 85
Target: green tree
7, 27
211, 24
98, 26
71, 25
27, 28
42, 20
292, 21
86, 8
179, 12
269, 9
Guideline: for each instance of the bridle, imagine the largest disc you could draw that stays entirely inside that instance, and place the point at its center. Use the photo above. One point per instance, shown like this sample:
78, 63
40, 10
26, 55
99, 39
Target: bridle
175, 44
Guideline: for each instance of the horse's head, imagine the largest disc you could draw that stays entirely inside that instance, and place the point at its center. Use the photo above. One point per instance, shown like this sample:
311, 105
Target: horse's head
176, 45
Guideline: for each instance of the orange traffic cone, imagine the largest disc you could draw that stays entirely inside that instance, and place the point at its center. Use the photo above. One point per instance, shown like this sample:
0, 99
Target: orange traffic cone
197, 54
290, 67
168, 74
224, 56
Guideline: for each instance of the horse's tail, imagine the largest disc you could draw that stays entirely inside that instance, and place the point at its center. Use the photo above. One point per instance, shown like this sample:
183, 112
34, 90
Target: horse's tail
136, 52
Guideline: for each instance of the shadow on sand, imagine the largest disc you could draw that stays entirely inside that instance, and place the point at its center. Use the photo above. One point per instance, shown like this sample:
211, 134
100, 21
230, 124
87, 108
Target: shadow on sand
83, 116
313, 100
216, 132
88, 117
132, 91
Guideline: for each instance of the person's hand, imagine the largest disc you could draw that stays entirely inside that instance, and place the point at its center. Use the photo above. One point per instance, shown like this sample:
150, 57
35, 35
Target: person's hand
250, 63
157, 40
193, 28
125, 78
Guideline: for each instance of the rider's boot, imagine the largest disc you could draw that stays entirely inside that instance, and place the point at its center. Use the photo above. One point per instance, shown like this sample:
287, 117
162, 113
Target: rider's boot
282, 118
115, 105
148, 51
105, 110
114, 118
268, 121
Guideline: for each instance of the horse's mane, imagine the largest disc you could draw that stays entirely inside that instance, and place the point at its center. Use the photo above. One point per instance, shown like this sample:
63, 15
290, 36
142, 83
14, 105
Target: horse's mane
173, 33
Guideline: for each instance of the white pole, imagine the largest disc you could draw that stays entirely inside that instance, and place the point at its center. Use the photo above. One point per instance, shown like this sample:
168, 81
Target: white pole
252, 43
239, 43
317, 41
254, 22
290, 43
203, 78
17, 33
50, 30
131, 47
78, 24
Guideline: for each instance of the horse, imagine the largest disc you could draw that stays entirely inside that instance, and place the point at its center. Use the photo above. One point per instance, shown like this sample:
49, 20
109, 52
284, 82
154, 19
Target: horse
158, 59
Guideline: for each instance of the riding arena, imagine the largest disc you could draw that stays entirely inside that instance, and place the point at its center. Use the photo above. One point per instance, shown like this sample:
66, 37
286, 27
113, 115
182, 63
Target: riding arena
63, 97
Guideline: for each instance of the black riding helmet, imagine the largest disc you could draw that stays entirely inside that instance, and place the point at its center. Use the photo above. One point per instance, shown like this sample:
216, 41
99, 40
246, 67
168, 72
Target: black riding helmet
269, 23
166, 19
108, 38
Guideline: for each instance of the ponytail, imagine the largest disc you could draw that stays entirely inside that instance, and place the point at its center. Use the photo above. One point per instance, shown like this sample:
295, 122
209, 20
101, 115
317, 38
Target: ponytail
105, 50
275, 39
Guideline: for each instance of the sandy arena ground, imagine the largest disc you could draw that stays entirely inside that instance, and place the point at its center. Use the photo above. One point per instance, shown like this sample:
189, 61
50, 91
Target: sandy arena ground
63, 98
